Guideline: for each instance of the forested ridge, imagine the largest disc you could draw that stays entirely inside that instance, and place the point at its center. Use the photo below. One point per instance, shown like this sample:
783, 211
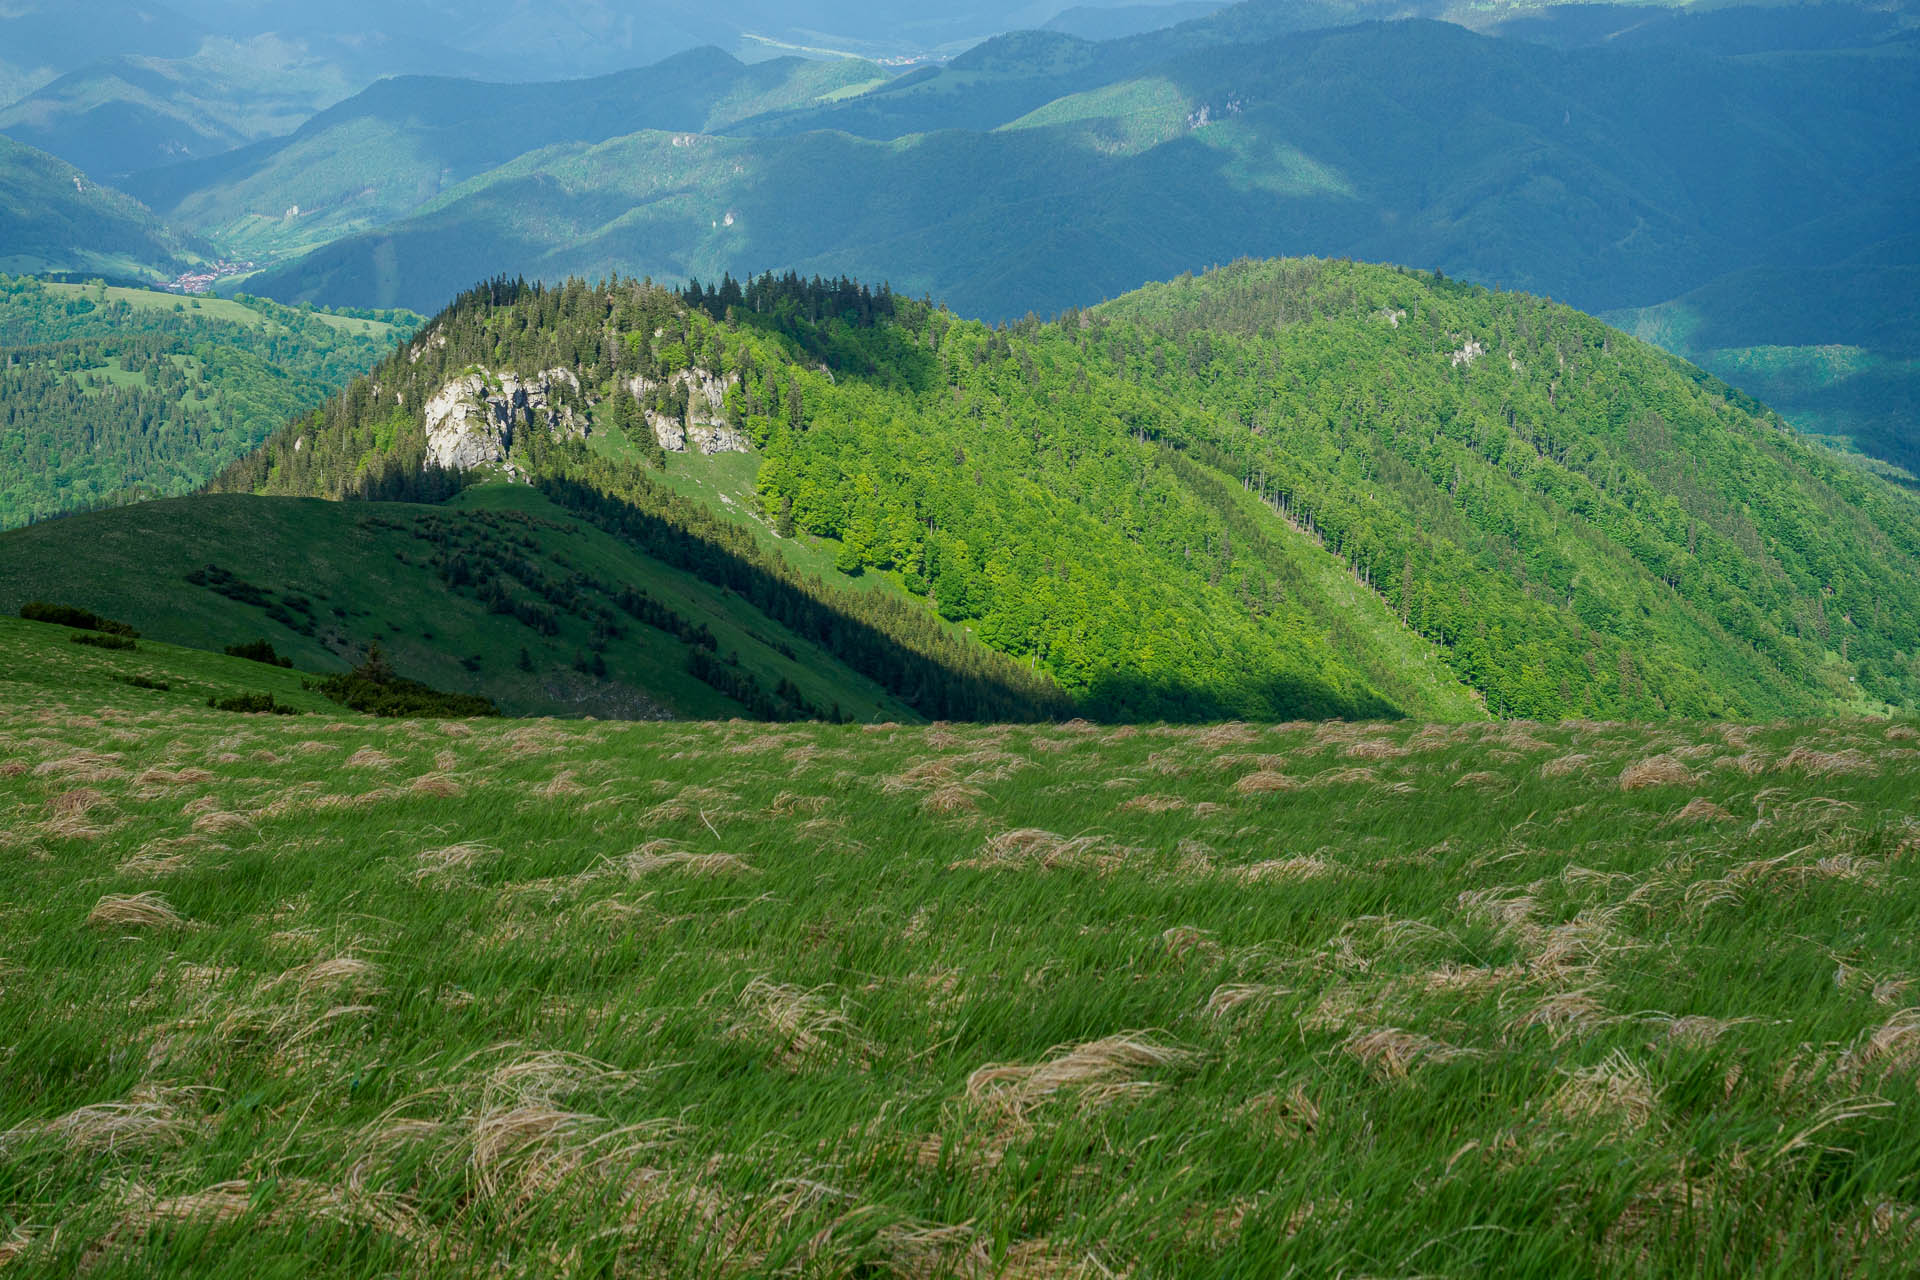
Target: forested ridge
103, 402
1533, 507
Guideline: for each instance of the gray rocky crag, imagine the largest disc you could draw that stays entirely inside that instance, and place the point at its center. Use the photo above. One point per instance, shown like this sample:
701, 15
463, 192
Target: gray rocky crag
472, 420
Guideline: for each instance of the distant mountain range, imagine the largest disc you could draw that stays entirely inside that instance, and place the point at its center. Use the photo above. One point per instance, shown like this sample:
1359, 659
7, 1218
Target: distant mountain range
1618, 157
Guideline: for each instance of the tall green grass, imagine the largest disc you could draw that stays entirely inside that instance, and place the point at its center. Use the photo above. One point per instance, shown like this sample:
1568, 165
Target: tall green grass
321, 996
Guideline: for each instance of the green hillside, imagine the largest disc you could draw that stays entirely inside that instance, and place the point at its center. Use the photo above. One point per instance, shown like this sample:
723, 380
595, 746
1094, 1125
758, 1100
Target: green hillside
1835, 349
1152, 501
111, 394
500, 593
322, 996
55, 218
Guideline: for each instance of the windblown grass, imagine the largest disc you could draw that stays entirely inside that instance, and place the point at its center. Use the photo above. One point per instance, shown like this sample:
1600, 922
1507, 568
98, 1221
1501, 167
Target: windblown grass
722, 1005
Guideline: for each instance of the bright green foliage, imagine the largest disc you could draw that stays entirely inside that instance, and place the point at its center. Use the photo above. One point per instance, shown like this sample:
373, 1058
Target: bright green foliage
110, 395
330, 997
1160, 502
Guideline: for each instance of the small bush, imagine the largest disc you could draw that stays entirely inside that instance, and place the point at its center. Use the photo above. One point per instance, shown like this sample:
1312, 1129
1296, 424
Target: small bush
141, 682
65, 615
252, 704
258, 651
373, 688
104, 641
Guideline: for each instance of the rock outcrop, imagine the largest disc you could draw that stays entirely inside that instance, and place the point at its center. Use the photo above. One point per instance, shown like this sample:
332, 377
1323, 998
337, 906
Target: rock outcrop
472, 420
705, 427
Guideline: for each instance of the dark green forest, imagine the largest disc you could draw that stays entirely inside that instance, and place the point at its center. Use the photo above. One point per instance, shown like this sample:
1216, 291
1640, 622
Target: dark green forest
1133, 500
104, 400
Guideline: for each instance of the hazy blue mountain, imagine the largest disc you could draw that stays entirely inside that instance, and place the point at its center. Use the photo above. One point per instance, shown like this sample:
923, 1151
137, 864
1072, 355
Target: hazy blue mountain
53, 218
1608, 177
1095, 23
397, 146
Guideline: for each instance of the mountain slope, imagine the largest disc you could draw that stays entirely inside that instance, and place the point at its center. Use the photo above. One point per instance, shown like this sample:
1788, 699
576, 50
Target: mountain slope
1563, 519
499, 593
112, 394
54, 218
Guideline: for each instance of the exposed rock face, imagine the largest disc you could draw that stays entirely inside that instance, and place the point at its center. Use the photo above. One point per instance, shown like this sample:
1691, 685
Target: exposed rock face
706, 427
473, 419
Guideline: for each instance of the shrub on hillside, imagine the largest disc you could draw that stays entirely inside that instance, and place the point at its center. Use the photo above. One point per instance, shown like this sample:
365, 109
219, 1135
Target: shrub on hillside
104, 641
253, 704
258, 651
65, 615
375, 689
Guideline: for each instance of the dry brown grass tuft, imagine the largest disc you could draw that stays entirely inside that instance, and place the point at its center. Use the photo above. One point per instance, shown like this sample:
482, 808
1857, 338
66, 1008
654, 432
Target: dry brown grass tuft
1699, 809
453, 858
1346, 778
217, 823
1231, 996
1153, 804
83, 766
77, 803
1655, 771
562, 784
371, 758
1892, 1049
134, 911
1395, 1052
1226, 735
347, 972
1823, 764
953, 798
659, 855
798, 1022
1375, 749
1100, 1071
790, 804
1266, 781
1480, 779
1617, 1089
1567, 1014
1560, 767
151, 1116
157, 777
1030, 847
1281, 869
435, 784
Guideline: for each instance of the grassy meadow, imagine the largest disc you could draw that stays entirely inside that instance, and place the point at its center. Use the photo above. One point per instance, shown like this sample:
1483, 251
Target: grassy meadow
317, 995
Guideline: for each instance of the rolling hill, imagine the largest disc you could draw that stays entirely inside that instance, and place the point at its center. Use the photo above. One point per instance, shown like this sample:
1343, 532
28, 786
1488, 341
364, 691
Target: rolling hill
54, 218
1296, 488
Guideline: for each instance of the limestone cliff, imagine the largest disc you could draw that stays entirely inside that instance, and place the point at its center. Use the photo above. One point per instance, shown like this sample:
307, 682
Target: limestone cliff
472, 420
